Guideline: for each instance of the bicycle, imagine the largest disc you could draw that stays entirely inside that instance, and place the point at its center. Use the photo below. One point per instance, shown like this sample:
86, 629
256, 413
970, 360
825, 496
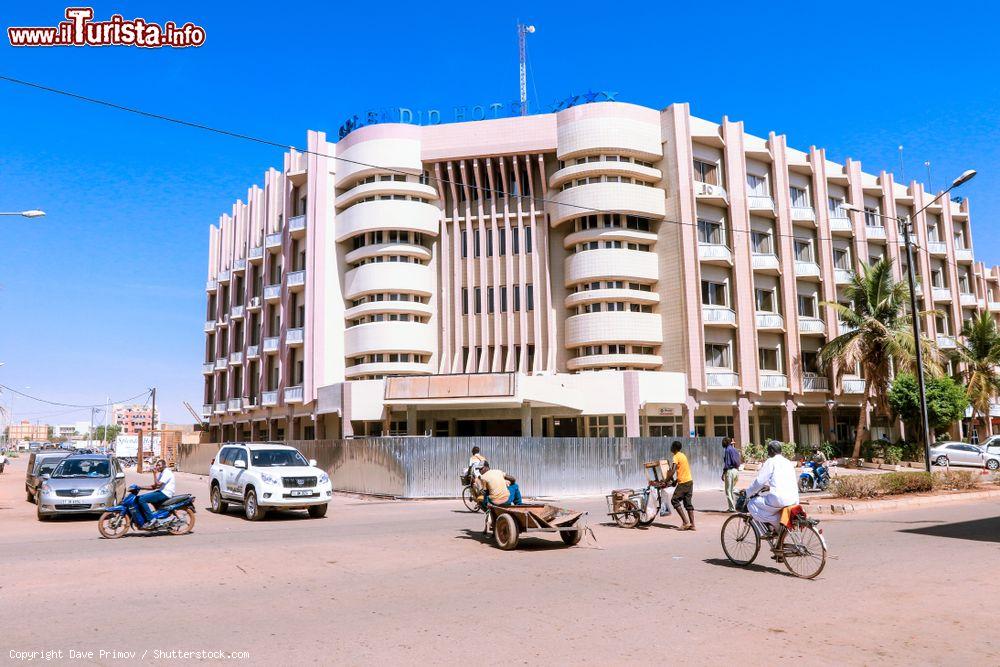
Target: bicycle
469, 493
802, 548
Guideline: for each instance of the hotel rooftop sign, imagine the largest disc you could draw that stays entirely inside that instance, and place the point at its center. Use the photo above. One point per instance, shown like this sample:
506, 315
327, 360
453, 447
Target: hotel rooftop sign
461, 114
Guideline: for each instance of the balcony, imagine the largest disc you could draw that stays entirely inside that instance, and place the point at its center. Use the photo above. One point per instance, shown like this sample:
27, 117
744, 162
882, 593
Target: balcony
235, 404
773, 382
236, 313
806, 269
297, 223
209, 326
770, 321
211, 285
206, 410
937, 248
815, 383
760, 203
293, 394
811, 326
715, 252
853, 385
239, 265
253, 352
845, 328
717, 378
256, 254
874, 232
272, 240
272, 292
968, 299
254, 303
220, 407
843, 276
296, 279
221, 363
994, 306
224, 276
941, 294
718, 315
710, 194
271, 344
945, 342
208, 368
224, 322
295, 336
841, 225
268, 398
963, 255
249, 403
803, 214
236, 358
765, 262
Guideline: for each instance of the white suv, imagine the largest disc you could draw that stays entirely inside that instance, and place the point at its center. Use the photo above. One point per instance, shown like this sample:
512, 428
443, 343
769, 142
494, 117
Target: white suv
262, 476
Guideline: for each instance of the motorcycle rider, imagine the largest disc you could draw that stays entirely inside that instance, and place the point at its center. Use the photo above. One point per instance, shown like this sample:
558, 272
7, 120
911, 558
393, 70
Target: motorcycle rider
819, 463
162, 488
775, 487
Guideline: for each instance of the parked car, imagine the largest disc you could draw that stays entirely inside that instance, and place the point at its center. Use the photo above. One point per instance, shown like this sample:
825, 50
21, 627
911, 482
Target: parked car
964, 454
266, 476
81, 484
40, 463
991, 445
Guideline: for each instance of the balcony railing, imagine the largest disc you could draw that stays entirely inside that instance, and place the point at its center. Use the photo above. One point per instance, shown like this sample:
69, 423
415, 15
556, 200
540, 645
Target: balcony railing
760, 203
874, 232
718, 315
209, 326
295, 336
843, 276
235, 404
240, 264
224, 276
221, 363
237, 312
941, 293
937, 248
773, 382
220, 407
815, 383
804, 269
208, 367
236, 357
994, 306
297, 223
272, 240
764, 261
709, 191
844, 327
253, 351
206, 410
272, 292
211, 285
268, 398
811, 325
296, 278
803, 214
945, 342
293, 394
256, 253
721, 378
714, 252
770, 321
254, 303
840, 225
853, 385
271, 344
963, 254
967, 299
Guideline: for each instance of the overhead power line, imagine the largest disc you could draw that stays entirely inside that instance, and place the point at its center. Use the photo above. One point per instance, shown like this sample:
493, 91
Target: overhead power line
102, 404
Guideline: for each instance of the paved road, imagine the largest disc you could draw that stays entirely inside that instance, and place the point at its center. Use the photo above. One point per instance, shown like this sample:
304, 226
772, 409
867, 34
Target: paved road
384, 581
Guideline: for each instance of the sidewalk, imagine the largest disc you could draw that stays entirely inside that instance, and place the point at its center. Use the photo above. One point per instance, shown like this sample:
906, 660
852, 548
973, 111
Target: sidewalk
845, 506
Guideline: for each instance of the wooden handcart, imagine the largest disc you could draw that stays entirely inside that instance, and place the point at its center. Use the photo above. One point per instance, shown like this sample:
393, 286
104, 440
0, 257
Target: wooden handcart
510, 522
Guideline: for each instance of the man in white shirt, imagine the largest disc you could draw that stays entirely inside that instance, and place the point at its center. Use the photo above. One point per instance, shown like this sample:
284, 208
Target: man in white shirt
778, 475
163, 487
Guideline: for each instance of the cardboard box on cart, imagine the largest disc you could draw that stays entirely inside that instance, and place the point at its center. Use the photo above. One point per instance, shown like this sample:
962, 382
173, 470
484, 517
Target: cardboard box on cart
657, 471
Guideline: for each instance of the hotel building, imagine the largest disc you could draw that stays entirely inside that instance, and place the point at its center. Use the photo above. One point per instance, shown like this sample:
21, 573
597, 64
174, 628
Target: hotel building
608, 269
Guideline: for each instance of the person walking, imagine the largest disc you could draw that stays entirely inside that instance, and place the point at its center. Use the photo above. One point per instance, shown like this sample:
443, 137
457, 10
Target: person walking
730, 471
683, 492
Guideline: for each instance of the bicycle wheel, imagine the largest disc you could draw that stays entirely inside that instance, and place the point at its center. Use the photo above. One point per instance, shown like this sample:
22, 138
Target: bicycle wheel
469, 498
627, 514
739, 540
804, 551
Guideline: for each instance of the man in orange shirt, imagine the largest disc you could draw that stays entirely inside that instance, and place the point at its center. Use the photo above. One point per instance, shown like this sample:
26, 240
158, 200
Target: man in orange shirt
685, 487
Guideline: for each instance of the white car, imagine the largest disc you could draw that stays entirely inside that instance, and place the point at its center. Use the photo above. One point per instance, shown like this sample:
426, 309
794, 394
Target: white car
950, 453
263, 476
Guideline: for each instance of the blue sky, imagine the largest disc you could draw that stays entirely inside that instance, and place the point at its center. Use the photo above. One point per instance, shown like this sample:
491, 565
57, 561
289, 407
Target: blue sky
104, 296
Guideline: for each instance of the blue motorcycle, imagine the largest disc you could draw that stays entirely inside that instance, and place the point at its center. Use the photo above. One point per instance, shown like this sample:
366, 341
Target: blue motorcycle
810, 480
175, 515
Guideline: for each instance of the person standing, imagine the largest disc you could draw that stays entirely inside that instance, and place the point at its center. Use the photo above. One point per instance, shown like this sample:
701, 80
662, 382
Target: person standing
730, 471
683, 492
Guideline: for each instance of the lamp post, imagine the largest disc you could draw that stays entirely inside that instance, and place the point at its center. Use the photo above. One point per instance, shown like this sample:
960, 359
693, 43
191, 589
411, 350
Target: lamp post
907, 225
33, 213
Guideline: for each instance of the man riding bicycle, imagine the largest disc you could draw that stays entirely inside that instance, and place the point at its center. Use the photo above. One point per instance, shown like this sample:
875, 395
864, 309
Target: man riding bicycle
775, 487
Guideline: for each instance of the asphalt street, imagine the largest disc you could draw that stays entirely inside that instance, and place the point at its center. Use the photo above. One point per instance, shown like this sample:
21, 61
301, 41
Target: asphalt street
386, 581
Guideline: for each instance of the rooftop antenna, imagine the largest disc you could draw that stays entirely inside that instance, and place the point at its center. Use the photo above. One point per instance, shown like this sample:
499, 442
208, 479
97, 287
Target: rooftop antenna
902, 177
928, 165
522, 33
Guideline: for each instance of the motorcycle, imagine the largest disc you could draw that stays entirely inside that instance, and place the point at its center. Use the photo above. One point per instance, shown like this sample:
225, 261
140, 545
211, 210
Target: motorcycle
176, 515
810, 481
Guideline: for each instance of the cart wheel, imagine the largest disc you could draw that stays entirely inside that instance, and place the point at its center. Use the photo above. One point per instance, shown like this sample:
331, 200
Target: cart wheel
645, 523
627, 514
571, 539
505, 532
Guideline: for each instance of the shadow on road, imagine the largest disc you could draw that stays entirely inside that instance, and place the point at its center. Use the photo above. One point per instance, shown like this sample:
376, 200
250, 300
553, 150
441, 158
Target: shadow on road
753, 567
978, 530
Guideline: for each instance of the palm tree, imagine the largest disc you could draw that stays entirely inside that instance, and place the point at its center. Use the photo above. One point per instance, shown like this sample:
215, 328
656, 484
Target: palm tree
979, 352
881, 336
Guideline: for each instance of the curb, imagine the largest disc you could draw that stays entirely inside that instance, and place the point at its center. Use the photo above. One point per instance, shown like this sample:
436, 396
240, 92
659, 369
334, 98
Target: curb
878, 505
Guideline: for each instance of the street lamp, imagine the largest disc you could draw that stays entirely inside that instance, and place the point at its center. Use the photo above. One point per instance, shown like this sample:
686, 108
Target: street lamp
907, 225
33, 213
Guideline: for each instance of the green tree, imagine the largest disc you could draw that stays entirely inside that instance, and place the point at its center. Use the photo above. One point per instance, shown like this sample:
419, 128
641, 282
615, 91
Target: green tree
946, 401
979, 352
113, 431
880, 336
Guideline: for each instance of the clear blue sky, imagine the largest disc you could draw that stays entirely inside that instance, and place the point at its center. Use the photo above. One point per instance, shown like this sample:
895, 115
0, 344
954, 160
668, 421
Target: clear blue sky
104, 296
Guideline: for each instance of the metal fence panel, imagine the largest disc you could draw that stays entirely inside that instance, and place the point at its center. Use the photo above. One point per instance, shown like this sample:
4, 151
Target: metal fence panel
413, 467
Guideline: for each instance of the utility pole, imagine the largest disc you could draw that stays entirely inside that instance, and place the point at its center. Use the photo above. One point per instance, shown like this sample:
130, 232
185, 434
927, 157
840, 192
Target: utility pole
90, 436
152, 423
925, 430
522, 33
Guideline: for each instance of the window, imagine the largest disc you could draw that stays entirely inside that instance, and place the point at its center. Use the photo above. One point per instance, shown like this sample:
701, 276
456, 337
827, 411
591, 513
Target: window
769, 359
872, 218
517, 298
714, 294
465, 300
489, 242
842, 258
479, 300
717, 355
757, 186
937, 278
515, 240
706, 172
489, 299
475, 243
711, 231
465, 244
529, 297
765, 300
665, 427
762, 243
807, 305
606, 426
836, 207
963, 283
803, 250
800, 197
810, 363
503, 299
502, 241
722, 426
527, 240
699, 427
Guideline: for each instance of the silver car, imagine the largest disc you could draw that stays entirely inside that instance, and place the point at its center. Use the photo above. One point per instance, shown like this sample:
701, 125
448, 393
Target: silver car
81, 484
964, 454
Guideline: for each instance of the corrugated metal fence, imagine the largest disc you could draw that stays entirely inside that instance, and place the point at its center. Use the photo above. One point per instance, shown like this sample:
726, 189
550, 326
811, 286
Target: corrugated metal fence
409, 467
